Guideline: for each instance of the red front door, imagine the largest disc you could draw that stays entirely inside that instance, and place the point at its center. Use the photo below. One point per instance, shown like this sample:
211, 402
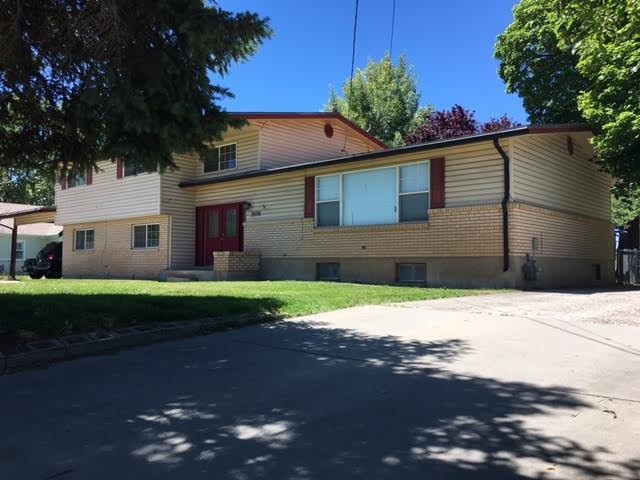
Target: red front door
218, 229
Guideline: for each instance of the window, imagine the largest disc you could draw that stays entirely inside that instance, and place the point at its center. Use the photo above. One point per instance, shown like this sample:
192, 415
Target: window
146, 236
84, 240
328, 271
413, 192
374, 197
328, 201
20, 250
76, 179
596, 272
220, 158
132, 169
411, 272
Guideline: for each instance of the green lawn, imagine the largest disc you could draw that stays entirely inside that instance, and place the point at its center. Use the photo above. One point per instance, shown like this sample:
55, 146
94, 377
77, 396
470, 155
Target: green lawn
47, 308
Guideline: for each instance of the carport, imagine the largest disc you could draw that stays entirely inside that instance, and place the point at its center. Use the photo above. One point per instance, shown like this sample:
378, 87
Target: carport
36, 214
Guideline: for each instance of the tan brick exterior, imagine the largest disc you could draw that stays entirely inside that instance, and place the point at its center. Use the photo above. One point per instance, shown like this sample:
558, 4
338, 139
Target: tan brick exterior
114, 255
236, 265
463, 231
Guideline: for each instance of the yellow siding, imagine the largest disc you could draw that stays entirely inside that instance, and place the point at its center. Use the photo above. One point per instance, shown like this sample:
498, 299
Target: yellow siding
559, 234
113, 255
247, 152
463, 232
179, 203
545, 174
273, 197
289, 142
109, 198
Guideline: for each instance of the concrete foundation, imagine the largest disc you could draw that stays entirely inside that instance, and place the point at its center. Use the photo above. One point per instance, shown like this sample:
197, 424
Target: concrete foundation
454, 272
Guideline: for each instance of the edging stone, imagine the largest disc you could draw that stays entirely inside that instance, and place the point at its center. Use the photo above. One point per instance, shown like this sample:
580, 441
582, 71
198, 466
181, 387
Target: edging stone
44, 352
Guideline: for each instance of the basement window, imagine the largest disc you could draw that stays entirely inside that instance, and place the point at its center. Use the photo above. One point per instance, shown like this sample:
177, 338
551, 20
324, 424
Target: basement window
411, 272
328, 271
596, 272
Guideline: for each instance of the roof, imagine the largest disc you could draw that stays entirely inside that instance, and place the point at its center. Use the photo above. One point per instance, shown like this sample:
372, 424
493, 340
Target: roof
422, 147
316, 115
8, 211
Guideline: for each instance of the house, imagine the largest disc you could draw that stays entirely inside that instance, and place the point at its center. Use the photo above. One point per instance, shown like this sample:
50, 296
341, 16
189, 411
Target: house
30, 239
312, 196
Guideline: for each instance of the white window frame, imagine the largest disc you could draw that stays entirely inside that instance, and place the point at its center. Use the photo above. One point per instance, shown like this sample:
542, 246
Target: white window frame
218, 147
398, 194
84, 247
146, 236
20, 248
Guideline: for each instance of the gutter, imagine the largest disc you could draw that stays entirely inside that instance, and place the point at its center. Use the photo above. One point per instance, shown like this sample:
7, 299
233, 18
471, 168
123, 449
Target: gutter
505, 201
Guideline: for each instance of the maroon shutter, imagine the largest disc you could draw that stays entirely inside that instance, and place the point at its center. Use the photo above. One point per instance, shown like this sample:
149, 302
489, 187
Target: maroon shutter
119, 168
63, 181
309, 197
437, 183
89, 176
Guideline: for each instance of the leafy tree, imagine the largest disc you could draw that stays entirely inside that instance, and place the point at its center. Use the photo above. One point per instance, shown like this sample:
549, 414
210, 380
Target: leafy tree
456, 122
382, 99
534, 65
570, 54
29, 187
98, 79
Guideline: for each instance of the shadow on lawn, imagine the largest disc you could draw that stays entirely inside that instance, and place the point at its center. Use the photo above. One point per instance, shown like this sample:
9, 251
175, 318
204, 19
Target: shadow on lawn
305, 401
59, 314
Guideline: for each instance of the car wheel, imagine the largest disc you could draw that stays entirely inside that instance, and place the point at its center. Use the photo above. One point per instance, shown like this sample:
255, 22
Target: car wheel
35, 276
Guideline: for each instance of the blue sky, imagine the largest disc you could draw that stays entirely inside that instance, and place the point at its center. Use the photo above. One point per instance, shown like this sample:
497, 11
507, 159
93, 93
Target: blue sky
450, 43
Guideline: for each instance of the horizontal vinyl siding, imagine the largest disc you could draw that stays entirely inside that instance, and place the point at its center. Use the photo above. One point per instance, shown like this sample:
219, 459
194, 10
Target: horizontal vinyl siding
288, 142
270, 198
545, 174
109, 198
247, 145
179, 204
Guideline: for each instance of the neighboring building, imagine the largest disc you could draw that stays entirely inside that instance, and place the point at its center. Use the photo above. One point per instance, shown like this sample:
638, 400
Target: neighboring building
309, 196
31, 238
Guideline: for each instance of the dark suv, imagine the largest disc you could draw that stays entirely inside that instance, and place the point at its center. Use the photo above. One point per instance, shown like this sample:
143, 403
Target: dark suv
48, 262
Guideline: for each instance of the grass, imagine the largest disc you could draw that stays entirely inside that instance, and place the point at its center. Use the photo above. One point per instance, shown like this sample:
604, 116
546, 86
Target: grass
48, 308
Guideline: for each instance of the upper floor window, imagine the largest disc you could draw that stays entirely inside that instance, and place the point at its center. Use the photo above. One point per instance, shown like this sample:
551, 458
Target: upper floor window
221, 158
76, 179
132, 169
374, 197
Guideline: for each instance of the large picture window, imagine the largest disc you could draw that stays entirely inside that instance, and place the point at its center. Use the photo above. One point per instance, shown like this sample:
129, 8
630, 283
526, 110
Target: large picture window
374, 197
221, 158
146, 236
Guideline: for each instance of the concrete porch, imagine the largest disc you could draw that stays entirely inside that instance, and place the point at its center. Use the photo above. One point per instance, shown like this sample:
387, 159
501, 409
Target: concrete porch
226, 266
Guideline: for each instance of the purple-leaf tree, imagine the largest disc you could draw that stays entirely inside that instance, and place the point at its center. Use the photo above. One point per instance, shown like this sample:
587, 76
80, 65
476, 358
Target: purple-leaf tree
457, 122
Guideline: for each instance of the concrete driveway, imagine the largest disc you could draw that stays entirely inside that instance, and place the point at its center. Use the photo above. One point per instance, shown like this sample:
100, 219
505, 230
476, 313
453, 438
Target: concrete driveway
521, 385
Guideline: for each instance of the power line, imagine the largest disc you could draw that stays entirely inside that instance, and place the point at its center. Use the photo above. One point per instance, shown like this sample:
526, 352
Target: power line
393, 26
353, 56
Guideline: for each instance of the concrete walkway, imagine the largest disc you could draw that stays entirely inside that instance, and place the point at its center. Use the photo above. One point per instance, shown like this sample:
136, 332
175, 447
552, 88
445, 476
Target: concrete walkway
523, 385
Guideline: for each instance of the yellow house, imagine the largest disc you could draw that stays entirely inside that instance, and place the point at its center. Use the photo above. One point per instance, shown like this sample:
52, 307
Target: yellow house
312, 196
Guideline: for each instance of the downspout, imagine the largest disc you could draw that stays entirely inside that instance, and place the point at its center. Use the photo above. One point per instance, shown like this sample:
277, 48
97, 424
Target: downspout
505, 201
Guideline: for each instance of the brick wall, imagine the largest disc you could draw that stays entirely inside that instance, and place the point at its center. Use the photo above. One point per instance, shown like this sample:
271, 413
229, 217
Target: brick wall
113, 254
462, 231
236, 265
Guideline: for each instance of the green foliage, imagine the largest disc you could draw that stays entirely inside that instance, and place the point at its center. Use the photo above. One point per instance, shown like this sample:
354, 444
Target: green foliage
30, 187
116, 303
573, 59
104, 79
625, 208
382, 99
536, 67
